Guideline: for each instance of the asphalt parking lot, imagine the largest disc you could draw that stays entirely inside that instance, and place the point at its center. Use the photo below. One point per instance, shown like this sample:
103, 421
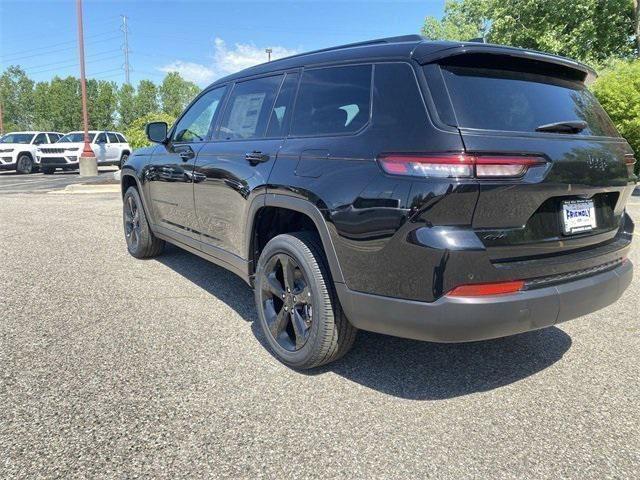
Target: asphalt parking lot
116, 367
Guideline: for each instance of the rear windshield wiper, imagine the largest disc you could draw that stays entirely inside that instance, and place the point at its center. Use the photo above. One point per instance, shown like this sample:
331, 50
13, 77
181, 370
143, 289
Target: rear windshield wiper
563, 127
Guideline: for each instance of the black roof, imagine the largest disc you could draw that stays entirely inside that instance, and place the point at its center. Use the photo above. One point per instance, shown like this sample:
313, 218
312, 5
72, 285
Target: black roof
402, 47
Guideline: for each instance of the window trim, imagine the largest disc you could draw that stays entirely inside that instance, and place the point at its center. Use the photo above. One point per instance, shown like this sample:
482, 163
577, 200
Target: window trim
345, 134
287, 127
216, 135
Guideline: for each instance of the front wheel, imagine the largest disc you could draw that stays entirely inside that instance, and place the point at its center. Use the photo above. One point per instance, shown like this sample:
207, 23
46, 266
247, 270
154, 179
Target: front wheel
24, 164
141, 242
298, 310
123, 160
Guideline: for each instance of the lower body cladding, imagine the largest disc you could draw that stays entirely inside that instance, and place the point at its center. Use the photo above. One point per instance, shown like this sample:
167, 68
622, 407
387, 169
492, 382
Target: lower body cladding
464, 319
70, 163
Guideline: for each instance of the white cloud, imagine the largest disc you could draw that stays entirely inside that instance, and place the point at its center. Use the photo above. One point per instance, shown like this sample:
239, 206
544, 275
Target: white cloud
226, 60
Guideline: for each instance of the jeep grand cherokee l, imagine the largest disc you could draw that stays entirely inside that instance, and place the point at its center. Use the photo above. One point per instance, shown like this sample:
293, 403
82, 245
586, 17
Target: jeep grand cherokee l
438, 191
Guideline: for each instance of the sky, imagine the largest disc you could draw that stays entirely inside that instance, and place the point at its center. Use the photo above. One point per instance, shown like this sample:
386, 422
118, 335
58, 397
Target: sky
202, 40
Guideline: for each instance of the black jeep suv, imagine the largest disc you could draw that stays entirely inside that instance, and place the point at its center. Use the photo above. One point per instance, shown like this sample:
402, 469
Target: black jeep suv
431, 190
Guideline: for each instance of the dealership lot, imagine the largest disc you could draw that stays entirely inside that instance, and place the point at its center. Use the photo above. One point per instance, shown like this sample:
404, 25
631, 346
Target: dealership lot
12, 182
116, 367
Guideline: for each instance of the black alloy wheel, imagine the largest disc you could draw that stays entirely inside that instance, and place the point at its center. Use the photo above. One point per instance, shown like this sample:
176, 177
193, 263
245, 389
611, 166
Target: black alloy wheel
287, 302
298, 310
132, 222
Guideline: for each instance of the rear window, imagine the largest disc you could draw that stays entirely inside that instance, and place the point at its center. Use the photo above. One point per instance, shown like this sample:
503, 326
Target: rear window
333, 100
492, 99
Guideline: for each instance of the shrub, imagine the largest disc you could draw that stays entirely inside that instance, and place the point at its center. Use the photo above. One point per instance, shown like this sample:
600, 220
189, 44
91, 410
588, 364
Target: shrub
135, 133
618, 90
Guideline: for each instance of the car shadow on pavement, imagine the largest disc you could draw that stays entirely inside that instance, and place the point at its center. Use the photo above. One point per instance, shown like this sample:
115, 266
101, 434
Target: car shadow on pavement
396, 366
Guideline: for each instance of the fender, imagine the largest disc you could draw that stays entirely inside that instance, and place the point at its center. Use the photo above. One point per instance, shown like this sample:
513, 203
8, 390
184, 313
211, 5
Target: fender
302, 206
129, 172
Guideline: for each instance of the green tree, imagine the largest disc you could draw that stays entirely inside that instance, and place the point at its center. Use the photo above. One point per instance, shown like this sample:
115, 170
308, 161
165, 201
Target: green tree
41, 107
136, 135
176, 93
16, 95
102, 103
146, 100
64, 106
126, 105
588, 30
618, 90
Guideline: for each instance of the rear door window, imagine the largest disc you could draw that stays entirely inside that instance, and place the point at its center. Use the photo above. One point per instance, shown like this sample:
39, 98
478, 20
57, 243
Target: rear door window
112, 137
333, 100
493, 99
121, 139
247, 112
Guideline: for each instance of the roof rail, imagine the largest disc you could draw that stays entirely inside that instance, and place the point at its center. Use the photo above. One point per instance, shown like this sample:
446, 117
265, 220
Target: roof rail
377, 41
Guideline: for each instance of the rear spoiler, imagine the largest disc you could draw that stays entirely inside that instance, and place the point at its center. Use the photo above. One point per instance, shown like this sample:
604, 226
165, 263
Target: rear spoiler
432, 52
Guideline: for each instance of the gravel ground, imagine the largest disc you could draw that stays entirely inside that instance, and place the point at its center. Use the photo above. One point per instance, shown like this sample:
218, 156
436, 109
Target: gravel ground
115, 367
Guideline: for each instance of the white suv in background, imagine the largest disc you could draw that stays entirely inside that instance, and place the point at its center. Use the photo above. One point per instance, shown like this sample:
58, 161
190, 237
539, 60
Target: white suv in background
18, 149
110, 148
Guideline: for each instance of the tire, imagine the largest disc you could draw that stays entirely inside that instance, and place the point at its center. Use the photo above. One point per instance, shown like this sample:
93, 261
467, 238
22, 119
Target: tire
123, 160
24, 164
141, 242
304, 327
47, 170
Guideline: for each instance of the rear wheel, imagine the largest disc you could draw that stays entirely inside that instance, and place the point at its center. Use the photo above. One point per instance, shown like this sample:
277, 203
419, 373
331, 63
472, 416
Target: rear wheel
47, 170
141, 242
24, 164
298, 310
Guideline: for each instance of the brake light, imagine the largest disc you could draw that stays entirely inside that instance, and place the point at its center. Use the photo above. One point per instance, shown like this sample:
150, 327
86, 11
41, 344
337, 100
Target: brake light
484, 289
459, 165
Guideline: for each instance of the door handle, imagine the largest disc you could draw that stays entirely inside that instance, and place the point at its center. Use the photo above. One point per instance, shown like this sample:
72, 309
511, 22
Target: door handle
186, 155
256, 157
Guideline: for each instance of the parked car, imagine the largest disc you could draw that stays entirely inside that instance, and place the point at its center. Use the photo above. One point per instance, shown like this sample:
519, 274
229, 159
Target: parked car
110, 148
18, 149
439, 191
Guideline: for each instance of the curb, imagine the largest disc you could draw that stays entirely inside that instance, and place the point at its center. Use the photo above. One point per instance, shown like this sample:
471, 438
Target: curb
84, 188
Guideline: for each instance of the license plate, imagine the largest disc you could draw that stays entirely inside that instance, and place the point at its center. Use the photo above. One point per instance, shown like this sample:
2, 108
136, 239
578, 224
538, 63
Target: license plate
578, 216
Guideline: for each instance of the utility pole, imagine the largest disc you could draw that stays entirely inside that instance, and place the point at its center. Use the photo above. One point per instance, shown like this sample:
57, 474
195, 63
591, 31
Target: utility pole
636, 11
1, 121
268, 51
125, 48
87, 160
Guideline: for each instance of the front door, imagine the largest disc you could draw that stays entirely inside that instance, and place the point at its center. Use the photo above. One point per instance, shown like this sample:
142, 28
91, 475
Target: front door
170, 175
100, 147
235, 167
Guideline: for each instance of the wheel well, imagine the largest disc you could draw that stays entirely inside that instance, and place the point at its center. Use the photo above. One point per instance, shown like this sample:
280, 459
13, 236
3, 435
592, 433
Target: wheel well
128, 181
25, 153
272, 221
125, 151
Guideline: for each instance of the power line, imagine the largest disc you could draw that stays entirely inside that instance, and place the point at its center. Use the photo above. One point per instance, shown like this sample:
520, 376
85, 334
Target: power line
28, 67
62, 43
47, 52
75, 64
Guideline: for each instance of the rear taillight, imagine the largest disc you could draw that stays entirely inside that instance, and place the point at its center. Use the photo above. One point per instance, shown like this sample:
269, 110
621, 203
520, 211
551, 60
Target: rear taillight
484, 289
630, 161
459, 165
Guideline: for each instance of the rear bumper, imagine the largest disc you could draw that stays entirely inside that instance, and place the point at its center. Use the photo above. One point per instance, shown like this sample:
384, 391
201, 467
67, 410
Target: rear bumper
457, 319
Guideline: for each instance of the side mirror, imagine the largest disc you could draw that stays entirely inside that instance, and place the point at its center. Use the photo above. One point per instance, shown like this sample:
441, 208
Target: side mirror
157, 132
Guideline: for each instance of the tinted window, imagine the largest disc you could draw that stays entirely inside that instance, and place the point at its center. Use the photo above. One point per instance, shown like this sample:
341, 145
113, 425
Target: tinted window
76, 137
514, 101
112, 137
282, 108
195, 123
53, 137
40, 139
101, 138
248, 108
121, 139
17, 138
333, 100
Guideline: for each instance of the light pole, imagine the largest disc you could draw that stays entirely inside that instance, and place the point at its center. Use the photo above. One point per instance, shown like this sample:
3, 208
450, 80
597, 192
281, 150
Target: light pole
268, 51
87, 160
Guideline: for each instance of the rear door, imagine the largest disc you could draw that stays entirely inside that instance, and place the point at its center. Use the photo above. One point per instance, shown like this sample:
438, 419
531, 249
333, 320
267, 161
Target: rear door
523, 109
235, 167
114, 148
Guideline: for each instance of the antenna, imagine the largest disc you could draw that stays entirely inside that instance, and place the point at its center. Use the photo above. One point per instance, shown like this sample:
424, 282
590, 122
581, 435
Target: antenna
125, 48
